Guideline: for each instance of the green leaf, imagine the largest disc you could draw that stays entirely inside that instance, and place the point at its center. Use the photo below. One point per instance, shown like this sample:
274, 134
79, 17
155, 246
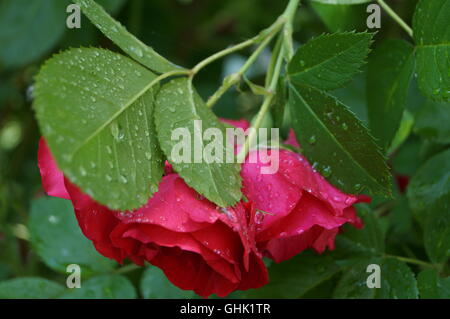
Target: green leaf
94, 108
178, 106
103, 287
390, 70
295, 277
432, 36
397, 281
336, 142
28, 30
432, 122
353, 283
56, 237
431, 286
437, 230
330, 60
29, 288
430, 183
123, 39
155, 285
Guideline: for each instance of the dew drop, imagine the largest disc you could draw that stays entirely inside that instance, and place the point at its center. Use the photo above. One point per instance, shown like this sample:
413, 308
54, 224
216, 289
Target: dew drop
137, 51
326, 171
123, 179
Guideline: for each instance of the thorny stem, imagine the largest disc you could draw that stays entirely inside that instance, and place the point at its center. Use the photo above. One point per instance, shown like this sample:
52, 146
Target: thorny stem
396, 17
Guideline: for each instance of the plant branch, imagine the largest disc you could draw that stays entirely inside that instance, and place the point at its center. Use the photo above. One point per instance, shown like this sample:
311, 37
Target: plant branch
412, 261
234, 78
271, 78
263, 110
260, 37
396, 17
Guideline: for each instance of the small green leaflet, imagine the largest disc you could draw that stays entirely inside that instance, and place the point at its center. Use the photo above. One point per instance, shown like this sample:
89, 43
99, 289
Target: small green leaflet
429, 184
330, 60
178, 106
123, 39
30, 288
103, 287
431, 286
95, 110
390, 70
432, 122
56, 237
295, 277
359, 248
29, 29
336, 143
396, 281
432, 36
437, 230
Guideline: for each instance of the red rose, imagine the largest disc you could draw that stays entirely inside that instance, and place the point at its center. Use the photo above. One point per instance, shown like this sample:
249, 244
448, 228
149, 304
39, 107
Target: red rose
197, 246
303, 209
211, 250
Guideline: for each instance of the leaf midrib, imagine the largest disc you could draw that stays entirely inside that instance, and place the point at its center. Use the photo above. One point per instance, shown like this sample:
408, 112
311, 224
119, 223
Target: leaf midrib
115, 116
194, 110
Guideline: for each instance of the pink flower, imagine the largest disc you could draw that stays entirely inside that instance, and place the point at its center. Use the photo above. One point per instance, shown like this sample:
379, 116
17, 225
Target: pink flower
300, 209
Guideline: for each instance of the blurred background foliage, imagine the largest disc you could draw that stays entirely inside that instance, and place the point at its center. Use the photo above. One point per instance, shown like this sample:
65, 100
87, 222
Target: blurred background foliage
39, 236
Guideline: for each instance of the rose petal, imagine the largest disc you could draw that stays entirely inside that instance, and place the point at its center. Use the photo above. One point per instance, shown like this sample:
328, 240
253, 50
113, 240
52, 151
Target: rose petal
175, 206
52, 177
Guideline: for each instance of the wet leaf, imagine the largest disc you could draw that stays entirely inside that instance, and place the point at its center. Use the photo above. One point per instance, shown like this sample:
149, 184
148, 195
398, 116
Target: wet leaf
30, 288
179, 108
94, 108
437, 230
123, 39
431, 286
432, 122
56, 237
330, 60
332, 137
432, 36
429, 184
295, 277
